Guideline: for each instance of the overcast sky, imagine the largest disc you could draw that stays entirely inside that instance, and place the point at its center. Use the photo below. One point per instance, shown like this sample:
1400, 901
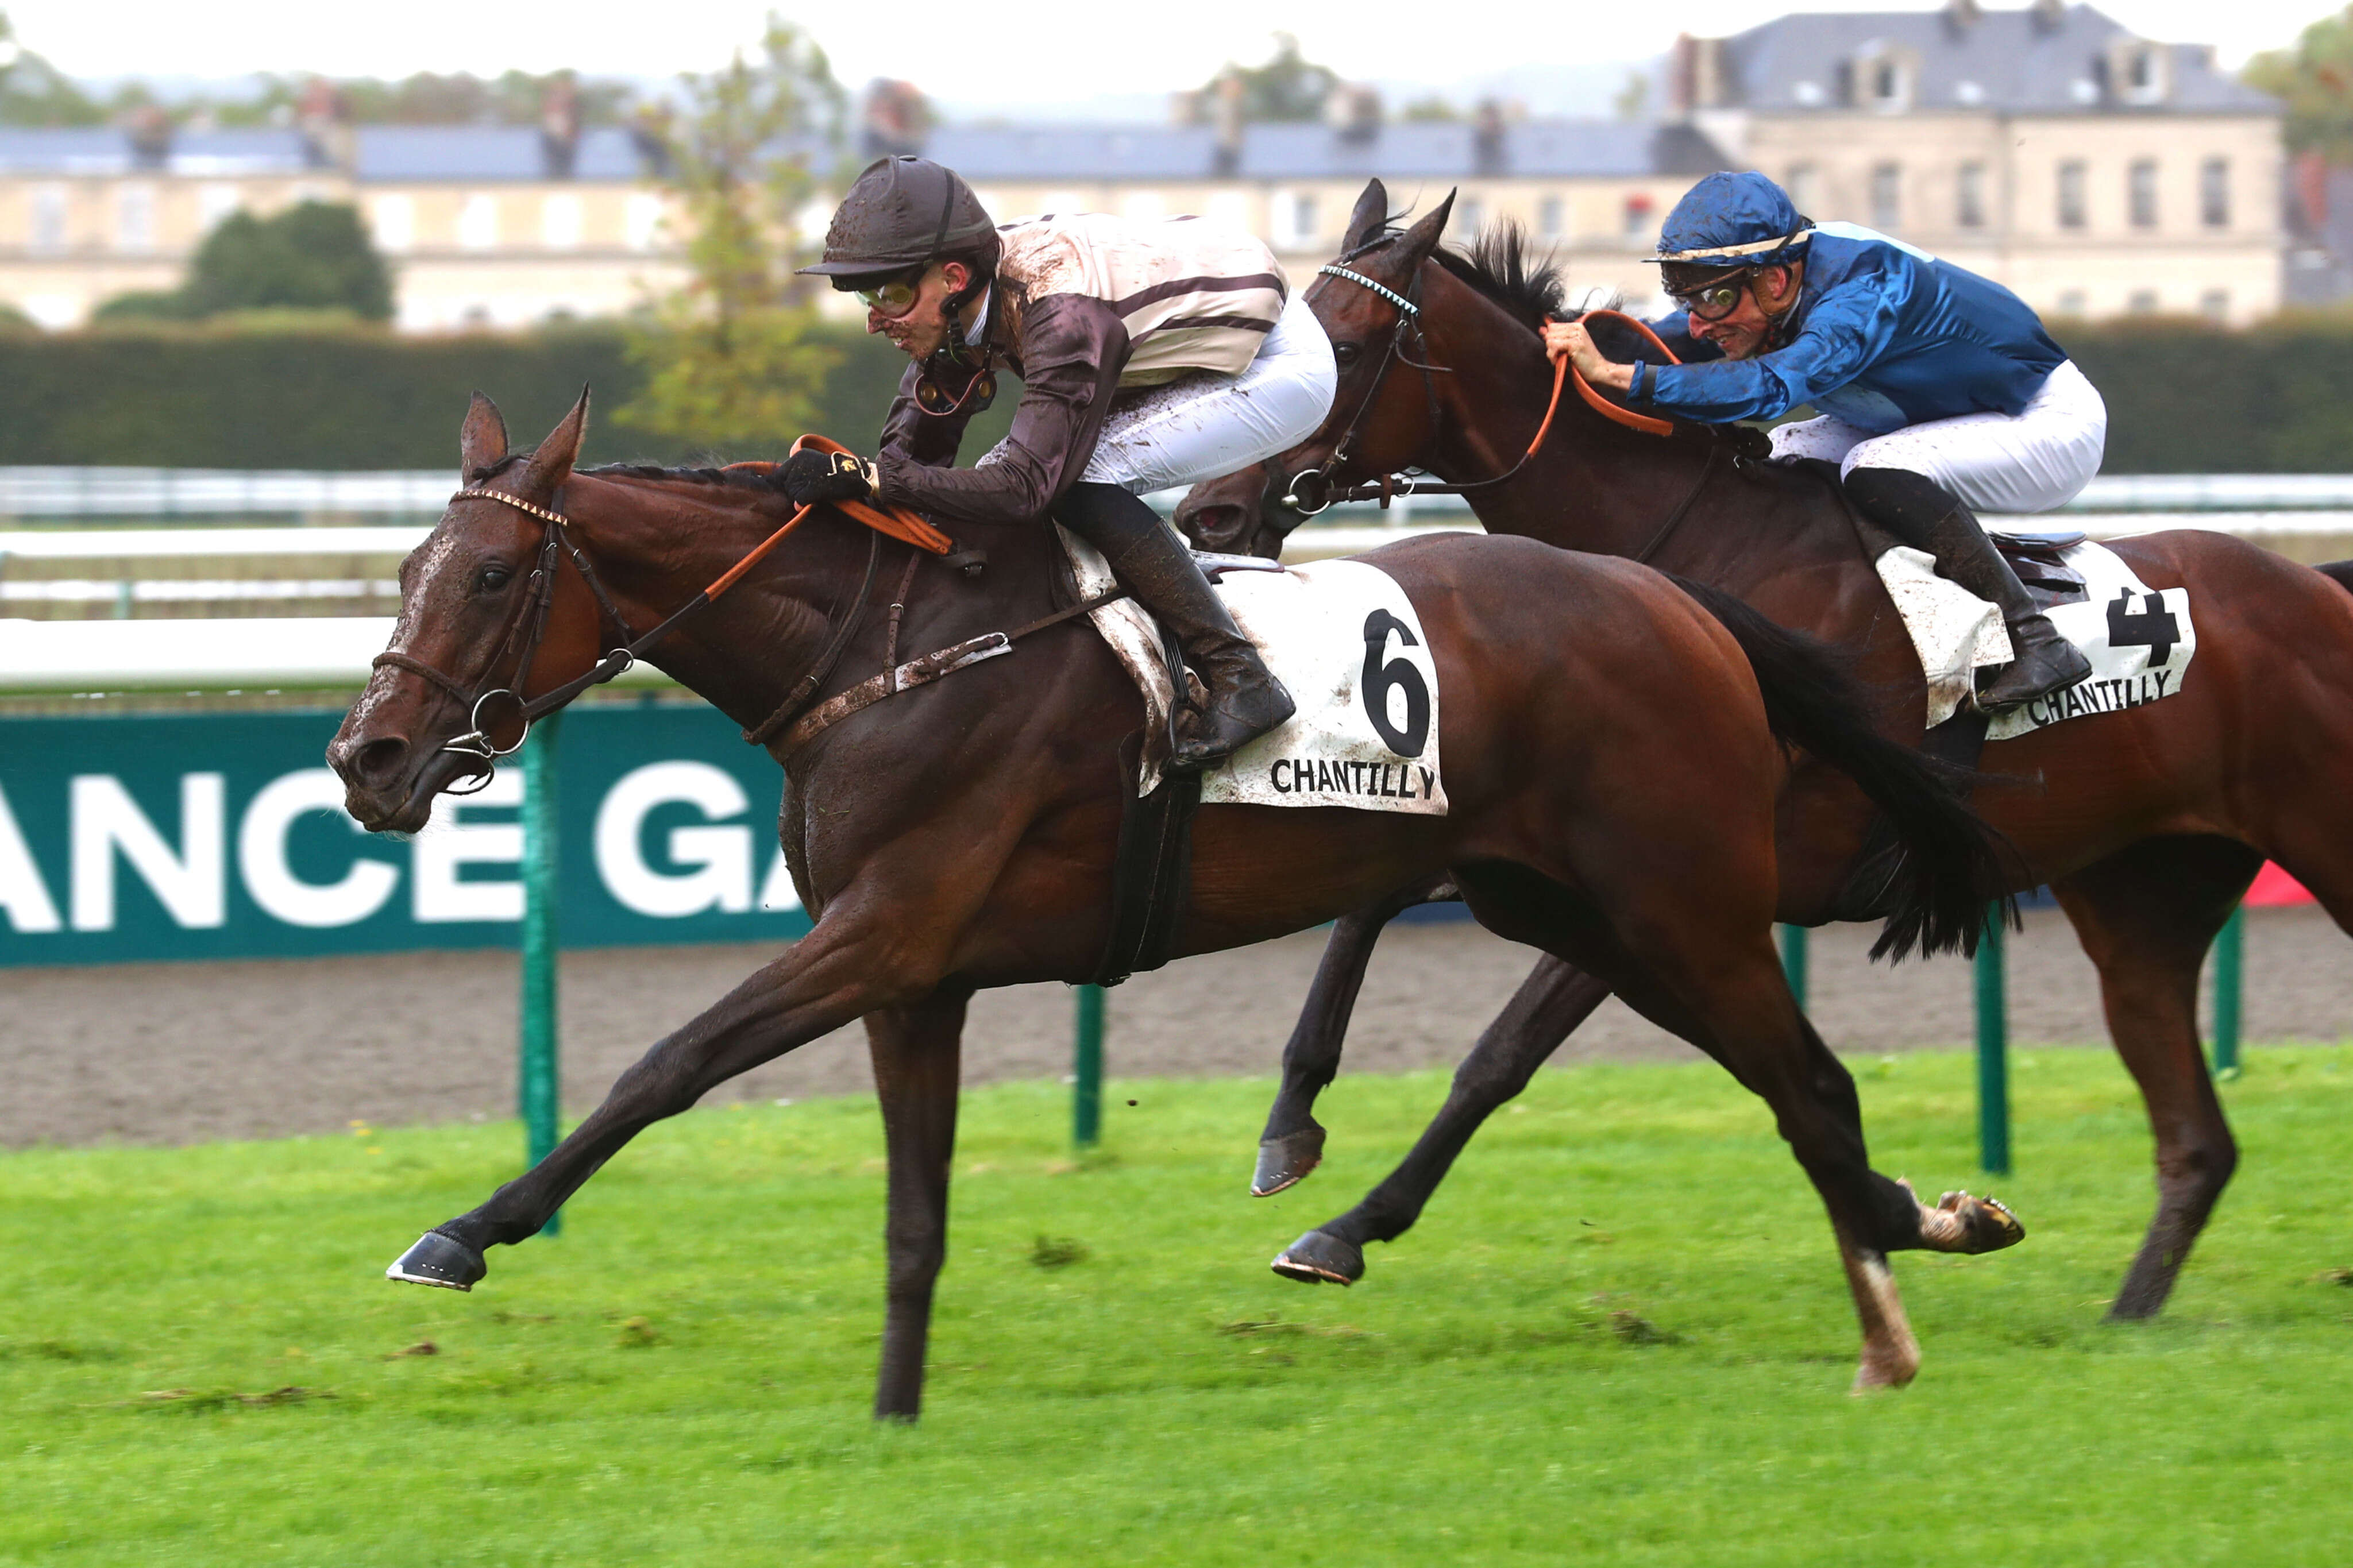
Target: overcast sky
1036, 52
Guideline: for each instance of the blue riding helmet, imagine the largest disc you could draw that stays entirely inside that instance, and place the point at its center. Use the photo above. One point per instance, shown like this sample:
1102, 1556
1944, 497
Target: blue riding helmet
1730, 221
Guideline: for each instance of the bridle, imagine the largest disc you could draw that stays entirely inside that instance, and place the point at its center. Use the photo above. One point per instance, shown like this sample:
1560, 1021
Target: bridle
532, 621
1319, 493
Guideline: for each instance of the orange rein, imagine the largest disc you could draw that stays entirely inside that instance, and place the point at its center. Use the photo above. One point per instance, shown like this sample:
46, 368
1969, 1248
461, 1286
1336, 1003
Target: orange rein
1618, 413
895, 522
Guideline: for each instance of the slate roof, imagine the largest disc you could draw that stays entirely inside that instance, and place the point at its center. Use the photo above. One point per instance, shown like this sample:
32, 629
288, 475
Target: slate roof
2019, 61
397, 154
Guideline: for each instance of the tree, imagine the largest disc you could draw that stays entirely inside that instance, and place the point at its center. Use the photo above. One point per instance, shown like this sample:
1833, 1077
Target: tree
33, 91
314, 256
1288, 87
2316, 80
734, 360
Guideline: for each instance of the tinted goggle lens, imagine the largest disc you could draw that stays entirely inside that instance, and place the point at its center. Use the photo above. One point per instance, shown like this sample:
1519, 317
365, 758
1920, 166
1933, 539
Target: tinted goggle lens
1715, 301
895, 298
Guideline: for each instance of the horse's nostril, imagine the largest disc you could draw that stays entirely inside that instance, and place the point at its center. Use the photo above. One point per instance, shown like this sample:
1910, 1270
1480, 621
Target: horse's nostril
374, 762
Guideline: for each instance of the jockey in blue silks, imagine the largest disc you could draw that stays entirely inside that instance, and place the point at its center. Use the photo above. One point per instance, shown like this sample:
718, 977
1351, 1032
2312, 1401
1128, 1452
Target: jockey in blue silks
1935, 390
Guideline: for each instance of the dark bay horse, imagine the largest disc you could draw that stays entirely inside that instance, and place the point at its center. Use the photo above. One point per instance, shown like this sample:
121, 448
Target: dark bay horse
1612, 800
2148, 824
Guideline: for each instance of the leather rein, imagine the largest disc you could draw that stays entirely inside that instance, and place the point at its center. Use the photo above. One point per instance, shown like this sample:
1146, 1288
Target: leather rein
1318, 481
531, 624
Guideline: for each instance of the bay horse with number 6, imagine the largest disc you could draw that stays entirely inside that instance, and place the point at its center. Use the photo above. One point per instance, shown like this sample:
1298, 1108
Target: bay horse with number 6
2148, 823
1612, 799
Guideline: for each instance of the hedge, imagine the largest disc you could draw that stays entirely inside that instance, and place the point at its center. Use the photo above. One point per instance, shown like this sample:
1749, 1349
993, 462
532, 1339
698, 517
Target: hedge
2182, 397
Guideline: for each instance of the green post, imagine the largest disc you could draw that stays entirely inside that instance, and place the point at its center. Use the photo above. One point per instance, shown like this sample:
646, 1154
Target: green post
537, 1086
2230, 963
1793, 961
1993, 1052
1086, 1076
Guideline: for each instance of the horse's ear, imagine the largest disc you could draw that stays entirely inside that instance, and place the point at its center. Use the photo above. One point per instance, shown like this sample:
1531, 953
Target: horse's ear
1371, 217
551, 465
1423, 237
482, 439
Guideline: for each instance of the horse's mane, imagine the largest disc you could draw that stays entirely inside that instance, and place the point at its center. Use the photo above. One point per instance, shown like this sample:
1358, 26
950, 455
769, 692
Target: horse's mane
1499, 263
742, 476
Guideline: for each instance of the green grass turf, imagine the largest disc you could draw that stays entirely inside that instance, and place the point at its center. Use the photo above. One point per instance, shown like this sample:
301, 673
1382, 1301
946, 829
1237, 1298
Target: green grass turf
1620, 1336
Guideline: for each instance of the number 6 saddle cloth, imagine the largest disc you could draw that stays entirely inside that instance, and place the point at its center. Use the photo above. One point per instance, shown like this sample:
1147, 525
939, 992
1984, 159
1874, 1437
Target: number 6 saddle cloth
1345, 639
2139, 640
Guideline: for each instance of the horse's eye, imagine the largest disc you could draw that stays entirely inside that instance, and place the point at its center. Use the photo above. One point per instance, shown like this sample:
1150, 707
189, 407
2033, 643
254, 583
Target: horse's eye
1346, 354
493, 578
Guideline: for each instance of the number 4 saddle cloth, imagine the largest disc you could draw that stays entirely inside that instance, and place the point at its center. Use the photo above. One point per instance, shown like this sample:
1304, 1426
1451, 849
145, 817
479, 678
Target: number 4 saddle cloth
2139, 640
1345, 639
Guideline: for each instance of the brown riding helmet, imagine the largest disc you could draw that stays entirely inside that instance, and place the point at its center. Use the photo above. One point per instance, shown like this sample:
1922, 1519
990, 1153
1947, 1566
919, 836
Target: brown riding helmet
902, 213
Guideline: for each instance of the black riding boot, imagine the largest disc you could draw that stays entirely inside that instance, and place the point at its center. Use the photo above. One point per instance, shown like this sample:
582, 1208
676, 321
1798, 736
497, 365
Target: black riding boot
1245, 701
1926, 516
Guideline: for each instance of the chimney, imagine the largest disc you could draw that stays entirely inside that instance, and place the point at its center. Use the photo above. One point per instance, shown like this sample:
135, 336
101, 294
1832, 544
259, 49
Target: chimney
2049, 16
1353, 110
1960, 15
1487, 149
1228, 115
559, 126
2311, 190
149, 129
325, 118
897, 118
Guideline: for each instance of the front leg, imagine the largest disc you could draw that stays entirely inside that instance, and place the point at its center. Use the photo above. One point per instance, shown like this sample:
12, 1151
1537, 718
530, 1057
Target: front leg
1293, 1143
916, 1051
857, 961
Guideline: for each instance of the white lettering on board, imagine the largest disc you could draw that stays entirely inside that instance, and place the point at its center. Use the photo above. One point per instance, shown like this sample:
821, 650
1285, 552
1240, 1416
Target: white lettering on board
271, 882
22, 892
719, 857
436, 895
188, 883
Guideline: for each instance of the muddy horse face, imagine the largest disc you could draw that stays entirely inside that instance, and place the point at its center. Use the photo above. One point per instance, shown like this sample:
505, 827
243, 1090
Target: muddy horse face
476, 618
1382, 414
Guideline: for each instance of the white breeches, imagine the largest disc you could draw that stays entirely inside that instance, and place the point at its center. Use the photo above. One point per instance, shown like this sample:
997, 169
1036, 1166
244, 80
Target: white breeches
1206, 425
2031, 461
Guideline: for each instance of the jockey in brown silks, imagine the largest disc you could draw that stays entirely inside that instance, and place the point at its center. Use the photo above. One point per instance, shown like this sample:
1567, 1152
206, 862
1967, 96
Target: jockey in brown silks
1152, 354
1936, 391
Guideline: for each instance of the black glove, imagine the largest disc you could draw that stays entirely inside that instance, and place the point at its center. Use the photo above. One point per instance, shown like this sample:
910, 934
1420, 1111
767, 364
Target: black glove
810, 477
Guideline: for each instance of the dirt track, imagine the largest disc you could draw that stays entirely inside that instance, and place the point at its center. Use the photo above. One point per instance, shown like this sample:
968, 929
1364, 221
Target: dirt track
182, 1053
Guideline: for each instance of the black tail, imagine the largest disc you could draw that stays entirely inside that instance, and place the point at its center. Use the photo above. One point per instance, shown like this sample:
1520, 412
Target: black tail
1953, 865
2340, 570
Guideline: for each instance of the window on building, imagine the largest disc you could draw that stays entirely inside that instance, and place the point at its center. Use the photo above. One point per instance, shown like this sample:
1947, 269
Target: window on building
477, 222
2142, 302
642, 220
1469, 217
1303, 223
1552, 218
2071, 205
392, 221
1969, 196
1889, 89
559, 222
214, 203
1638, 220
2214, 304
1887, 196
1804, 187
2140, 191
48, 229
134, 218
2214, 193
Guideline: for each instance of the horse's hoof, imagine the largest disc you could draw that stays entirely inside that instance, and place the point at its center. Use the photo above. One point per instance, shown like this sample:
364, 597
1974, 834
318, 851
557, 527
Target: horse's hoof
438, 1259
1987, 1224
1284, 1162
1320, 1257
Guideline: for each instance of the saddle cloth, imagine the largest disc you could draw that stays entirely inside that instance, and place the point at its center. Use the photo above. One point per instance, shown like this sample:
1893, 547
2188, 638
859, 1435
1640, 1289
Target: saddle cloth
2139, 640
1345, 639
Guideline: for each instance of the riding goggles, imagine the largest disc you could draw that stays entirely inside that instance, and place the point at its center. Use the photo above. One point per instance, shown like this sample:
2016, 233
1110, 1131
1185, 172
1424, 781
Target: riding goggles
1716, 298
895, 298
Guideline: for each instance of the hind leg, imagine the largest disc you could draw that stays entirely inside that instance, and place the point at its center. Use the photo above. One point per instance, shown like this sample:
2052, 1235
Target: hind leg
917, 1052
2147, 916
1293, 1143
1687, 960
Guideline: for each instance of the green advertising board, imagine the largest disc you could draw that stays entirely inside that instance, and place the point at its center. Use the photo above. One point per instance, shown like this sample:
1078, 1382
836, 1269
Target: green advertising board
208, 836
